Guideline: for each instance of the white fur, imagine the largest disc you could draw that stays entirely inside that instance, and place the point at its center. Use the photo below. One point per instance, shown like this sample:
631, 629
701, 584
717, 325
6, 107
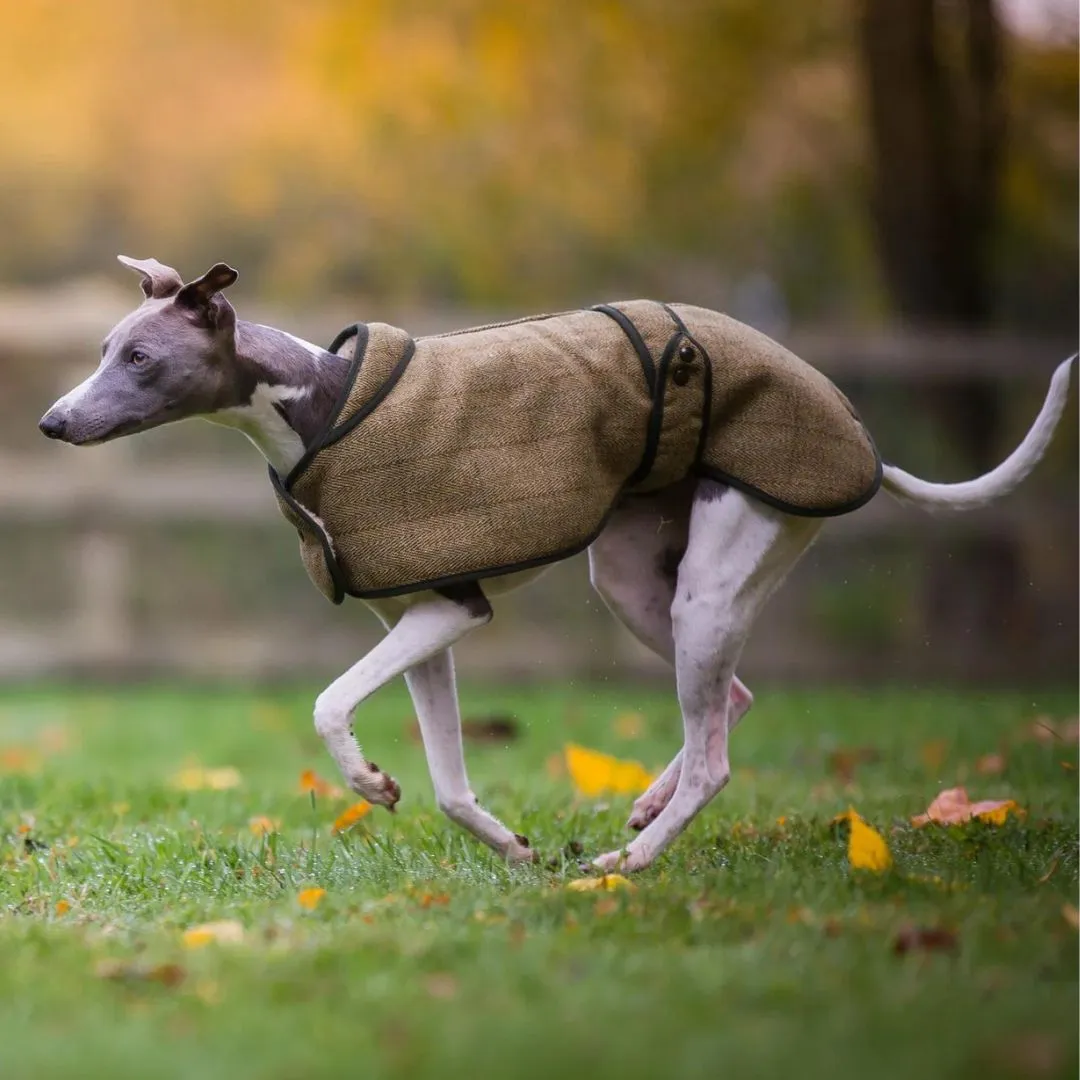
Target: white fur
313, 349
737, 551
265, 427
1000, 481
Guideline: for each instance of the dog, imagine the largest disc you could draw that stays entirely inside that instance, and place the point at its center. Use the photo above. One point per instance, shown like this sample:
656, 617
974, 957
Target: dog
686, 567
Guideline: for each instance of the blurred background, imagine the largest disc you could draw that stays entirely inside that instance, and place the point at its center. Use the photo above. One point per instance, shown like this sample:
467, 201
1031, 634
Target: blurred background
888, 188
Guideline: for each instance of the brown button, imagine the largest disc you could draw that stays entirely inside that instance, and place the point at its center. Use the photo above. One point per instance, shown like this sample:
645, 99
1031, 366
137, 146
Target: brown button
686, 352
680, 376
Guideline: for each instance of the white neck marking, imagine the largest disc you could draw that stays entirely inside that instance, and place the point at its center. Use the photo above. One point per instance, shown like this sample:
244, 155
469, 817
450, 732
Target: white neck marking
265, 426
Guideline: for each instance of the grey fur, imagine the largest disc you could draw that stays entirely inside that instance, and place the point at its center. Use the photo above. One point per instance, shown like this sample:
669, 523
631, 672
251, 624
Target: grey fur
185, 354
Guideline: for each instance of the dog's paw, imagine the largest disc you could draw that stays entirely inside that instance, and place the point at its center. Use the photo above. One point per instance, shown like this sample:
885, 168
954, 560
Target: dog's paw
379, 788
625, 861
518, 850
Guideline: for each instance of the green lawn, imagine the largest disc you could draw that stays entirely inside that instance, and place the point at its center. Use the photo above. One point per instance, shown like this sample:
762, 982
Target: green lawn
750, 949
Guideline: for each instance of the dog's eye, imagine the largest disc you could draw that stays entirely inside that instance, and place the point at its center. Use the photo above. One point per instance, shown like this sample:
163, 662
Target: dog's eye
136, 356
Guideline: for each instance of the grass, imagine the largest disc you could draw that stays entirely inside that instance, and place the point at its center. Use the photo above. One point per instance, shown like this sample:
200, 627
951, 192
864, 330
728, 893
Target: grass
750, 949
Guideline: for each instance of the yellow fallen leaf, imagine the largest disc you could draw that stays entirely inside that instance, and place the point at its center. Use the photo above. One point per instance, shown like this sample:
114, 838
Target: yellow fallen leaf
261, 825
196, 778
629, 725
605, 883
62, 907
953, 807
223, 932
348, 818
310, 781
595, 773
310, 899
867, 849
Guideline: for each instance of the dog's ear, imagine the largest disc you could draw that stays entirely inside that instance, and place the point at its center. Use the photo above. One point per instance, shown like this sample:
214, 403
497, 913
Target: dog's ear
202, 297
158, 280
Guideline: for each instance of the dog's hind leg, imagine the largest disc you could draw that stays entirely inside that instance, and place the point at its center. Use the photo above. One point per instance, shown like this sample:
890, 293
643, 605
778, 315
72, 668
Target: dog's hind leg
739, 550
634, 565
431, 684
427, 626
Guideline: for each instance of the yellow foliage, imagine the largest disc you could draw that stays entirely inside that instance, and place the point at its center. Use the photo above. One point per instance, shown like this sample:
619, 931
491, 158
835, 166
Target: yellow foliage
867, 849
606, 883
348, 818
310, 899
223, 932
595, 773
196, 778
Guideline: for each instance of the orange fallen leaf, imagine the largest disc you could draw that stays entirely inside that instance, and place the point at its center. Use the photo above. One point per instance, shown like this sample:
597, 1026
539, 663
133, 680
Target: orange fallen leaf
196, 778
953, 807
595, 773
867, 849
348, 818
223, 932
426, 900
990, 765
310, 899
17, 759
311, 782
605, 883
261, 825
62, 907
629, 725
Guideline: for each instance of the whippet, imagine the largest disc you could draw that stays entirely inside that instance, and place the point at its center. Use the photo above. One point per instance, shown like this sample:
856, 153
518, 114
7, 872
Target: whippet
687, 569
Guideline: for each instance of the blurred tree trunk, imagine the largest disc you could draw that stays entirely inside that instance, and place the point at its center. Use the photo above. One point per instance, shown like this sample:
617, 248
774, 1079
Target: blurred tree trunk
933, 72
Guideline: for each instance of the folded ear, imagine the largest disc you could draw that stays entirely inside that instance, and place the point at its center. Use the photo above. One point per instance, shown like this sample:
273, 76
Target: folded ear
202, 296
158, 280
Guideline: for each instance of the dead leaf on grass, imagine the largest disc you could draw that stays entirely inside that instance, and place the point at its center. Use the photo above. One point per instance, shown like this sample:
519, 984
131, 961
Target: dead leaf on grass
261, 825
842, 763
19, 759
953, 807
348, 818
990, 765
595, 773
310, 899
222, 932
1046, 730
62, 907
605, 883
925, 939
197, 778
867, 849
170, 975
312, 783
441, 985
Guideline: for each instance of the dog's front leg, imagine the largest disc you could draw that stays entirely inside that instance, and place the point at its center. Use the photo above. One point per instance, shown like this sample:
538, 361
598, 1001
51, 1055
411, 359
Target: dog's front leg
434, 696
429, 625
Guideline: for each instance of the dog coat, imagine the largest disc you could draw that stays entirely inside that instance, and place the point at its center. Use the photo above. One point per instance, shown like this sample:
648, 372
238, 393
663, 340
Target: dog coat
485, 451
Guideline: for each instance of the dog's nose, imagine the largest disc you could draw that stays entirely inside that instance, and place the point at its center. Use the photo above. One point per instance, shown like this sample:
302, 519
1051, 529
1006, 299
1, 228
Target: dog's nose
53, 425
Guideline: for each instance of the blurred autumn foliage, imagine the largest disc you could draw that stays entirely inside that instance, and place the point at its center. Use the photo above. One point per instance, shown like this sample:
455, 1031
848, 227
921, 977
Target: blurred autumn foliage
484, 152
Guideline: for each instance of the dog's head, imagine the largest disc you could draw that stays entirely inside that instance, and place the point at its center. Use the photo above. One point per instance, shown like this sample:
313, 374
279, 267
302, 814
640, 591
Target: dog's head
172, 358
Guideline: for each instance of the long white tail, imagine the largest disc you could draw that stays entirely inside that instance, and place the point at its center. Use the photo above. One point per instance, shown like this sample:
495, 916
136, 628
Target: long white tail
1000, 481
